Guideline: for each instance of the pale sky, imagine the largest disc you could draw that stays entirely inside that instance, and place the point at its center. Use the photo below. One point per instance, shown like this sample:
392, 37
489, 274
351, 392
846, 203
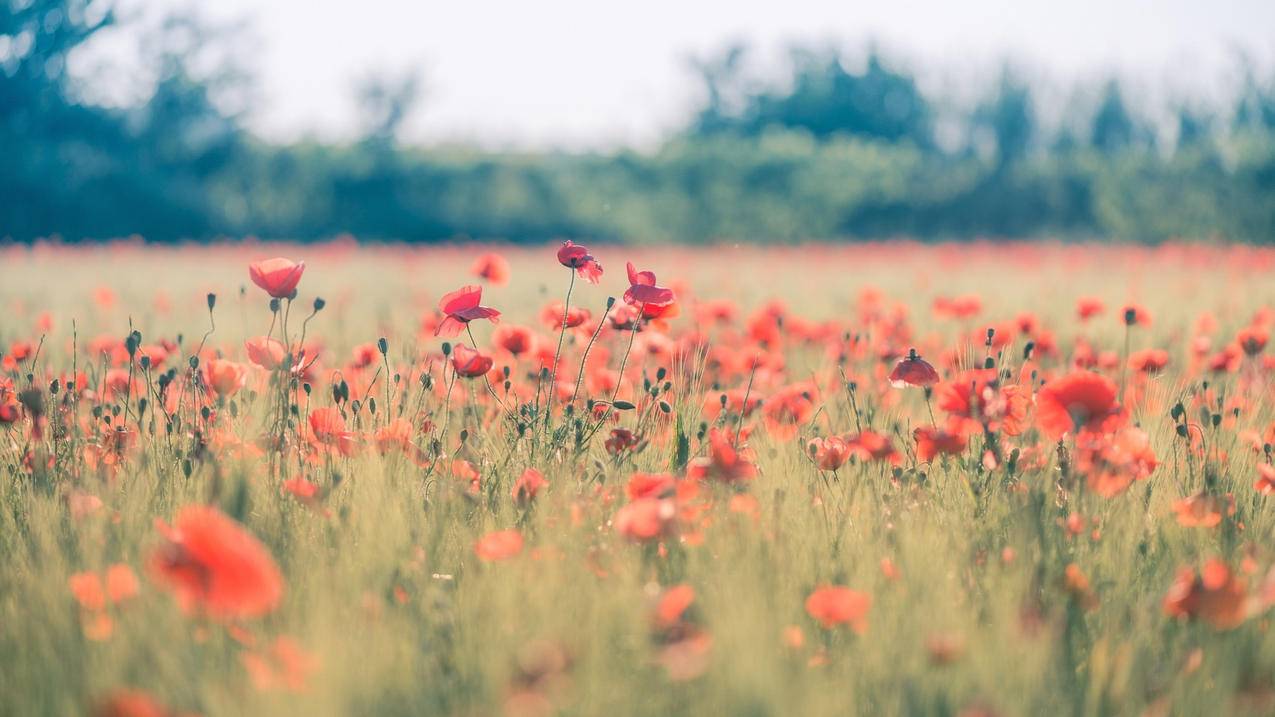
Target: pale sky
592, 73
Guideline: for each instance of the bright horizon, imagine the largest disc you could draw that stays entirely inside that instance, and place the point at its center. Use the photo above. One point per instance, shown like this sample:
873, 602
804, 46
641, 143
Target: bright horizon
577, 75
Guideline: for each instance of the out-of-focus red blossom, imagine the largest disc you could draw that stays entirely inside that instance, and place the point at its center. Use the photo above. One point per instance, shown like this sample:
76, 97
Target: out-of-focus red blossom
834, 605
961, 307
1203, 510
528, 486
723, 463
328, 428
499, 545
620, 440
645, 519
673, 603
575, 256
266, 352
492, 267
1265, 479
461, 307
469, 362
284, 666
788, 409
555, 312
932, 441
643, 290
134, 703
1112, 463
1134, 314
913, 370
517, 340
279, 277
1214, 595
225, 378
872, 446
1149, 360
1079, 401
216, 567
1252, 339
1089, 307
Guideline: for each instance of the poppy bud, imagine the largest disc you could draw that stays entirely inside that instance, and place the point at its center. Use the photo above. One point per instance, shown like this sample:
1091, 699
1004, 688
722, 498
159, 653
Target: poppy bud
212, 301
382, 345
1130, 316
447, 349
610, 301
194, 362
274, 306
146, 363
623, 406
665, 407
319, 303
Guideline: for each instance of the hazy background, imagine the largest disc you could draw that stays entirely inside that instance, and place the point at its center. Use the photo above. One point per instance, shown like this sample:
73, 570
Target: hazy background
659, 121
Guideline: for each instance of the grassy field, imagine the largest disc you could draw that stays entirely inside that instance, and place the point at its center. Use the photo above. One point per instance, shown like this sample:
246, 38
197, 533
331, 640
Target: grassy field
732, 509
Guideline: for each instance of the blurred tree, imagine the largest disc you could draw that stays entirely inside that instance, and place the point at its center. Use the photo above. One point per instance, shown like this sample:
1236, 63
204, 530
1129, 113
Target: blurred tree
825, 99
1010, 117
1113, 129
384, 102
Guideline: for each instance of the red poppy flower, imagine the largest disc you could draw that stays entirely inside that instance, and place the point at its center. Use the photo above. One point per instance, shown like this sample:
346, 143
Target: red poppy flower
829, 453
278, 276
461, 307
1149, 360
723, 463
1079, 401
492, 267
225, 377
642, 289
528, 486
977, 398
266, 352
1089, 307
574, 256
673, 604
912, 370
328, 426
517, 340
1265, 479
1252, 339
1111, 464
469, 362
1216, 596
552, 316
621, 439
1133, 314
872, 446
214, 565
932, 441
834, 605
499, 545
645, 519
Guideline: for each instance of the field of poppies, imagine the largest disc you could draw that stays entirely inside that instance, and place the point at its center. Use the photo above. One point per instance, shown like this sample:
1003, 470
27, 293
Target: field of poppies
978, 479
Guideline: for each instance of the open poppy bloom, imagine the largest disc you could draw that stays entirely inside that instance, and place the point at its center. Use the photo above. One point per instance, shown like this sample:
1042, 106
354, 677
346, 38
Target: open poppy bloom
266, 352
834, 605
912, 370
1079, 401
461, 307
469, 362
1111, 464
278, 276
492, 267
1089, 307
642, 289
574, 256
225, 377
214, 565
829, 453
